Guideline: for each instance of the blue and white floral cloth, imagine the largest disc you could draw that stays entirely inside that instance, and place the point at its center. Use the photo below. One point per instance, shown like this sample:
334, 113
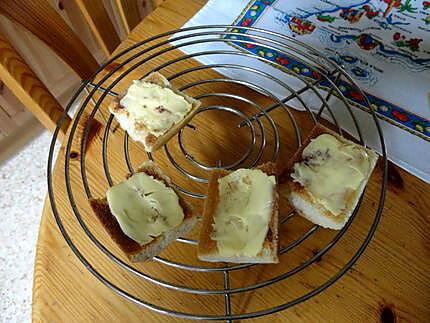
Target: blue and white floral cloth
384, 45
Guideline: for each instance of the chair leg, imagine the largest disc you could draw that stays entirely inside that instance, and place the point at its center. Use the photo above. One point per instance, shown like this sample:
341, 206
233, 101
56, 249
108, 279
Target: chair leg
129, 13
24, 83
101, 25
41, 19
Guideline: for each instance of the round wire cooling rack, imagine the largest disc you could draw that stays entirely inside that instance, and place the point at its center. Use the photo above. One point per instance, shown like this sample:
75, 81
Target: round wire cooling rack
262, 121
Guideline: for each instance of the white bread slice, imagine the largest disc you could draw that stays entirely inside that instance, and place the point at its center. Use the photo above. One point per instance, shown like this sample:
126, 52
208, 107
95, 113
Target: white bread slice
134, 251
207, 248
137, 130
304, 202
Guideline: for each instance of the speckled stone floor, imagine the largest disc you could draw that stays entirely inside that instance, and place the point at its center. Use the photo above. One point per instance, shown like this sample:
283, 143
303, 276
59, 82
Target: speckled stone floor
22, 193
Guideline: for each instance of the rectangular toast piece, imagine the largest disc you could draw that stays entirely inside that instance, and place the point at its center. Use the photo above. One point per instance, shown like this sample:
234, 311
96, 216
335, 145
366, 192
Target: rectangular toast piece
305, 203
138, 128
207, 248
135, 251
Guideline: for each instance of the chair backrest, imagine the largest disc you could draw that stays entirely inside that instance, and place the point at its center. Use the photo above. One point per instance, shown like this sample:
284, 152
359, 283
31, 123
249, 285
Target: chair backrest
41, 19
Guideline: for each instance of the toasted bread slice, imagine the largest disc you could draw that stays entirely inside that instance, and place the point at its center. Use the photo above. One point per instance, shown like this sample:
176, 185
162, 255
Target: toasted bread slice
134, 251
207, 248
137, 129
302, 200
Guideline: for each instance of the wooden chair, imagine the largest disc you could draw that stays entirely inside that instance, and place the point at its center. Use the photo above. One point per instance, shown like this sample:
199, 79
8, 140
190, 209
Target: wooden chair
41, 19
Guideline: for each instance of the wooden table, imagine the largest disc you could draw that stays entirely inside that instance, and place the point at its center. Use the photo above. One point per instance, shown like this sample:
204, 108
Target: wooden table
390, 281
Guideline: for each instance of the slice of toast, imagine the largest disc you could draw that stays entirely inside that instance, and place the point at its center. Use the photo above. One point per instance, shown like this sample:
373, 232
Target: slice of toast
137, 129
303, 201
134, 251
207, 248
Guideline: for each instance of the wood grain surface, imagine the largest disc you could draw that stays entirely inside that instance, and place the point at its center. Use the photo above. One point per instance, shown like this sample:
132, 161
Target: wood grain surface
389, 283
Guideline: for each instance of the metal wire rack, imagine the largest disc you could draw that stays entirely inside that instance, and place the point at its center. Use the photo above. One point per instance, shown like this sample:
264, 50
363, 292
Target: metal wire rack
264, 141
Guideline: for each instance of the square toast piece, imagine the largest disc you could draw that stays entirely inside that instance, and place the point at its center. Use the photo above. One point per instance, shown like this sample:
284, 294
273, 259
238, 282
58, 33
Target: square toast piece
302, 199
207, 248
135, 251
138, 127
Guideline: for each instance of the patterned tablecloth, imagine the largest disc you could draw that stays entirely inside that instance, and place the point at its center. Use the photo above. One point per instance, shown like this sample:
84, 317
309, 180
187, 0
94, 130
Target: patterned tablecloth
383, 44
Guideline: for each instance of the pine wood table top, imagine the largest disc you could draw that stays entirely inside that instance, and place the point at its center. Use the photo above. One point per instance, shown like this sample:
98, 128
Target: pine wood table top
390, 281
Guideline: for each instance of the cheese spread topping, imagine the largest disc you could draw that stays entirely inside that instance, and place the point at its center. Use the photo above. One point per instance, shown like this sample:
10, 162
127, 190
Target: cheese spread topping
332, 170
243, 214
144, 207
158, 108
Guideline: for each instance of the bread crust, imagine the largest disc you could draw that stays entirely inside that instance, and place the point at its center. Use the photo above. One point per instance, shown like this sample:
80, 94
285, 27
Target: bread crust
134, 251
139, 132
207, 248
293, 190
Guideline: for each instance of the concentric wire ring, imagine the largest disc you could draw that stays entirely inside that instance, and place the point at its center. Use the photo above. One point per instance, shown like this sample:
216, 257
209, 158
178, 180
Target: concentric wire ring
156, 47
